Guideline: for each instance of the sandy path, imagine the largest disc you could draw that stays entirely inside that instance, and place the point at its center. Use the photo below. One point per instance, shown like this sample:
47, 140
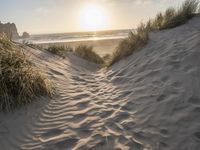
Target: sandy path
148, 101
80, 117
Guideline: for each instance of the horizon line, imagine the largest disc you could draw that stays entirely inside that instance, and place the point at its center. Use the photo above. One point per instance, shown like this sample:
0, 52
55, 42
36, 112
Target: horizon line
83, 31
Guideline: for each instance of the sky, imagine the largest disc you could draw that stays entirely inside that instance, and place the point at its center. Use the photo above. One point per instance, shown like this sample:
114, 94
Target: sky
58, 16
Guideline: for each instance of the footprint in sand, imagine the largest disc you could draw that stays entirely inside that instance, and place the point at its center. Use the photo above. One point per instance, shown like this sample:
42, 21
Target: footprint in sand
129, 106
120, 95
176, 84
135, 144
139, 80
3, 129
83, 104
106, 113
56, 72
128, 124
196, 110
194, 100
174, 57
102, 142
162, 145
68, 143
164, 132
51, 133
81, 96
197, 135
175, 65
161, 98
188, 69
76, 78
165, 78
78, 118
120, 116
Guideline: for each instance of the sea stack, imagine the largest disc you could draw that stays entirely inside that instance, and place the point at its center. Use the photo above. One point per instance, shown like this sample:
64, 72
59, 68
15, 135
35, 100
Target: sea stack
25, 35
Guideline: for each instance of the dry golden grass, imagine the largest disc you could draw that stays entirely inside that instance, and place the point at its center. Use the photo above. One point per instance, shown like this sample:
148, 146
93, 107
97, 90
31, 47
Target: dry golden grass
20, 81
136, 40
86, 52
60, 50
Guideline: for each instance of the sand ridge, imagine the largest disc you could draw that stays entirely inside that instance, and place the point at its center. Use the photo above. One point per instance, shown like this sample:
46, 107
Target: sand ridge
148, 101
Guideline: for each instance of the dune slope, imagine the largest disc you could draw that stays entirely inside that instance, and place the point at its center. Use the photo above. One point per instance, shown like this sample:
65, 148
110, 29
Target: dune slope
148, 101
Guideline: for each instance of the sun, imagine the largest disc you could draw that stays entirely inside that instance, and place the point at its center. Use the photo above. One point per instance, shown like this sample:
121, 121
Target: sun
92, 18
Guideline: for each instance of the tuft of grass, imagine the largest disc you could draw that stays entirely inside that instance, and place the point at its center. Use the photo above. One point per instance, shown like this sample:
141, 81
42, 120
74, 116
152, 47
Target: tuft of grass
60, 50
31, 45
136, 40
106, 57
174, 18
20, 81
139, 37
86, 52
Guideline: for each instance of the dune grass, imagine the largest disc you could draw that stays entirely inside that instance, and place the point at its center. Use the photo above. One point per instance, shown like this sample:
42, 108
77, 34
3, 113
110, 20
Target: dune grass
106, 57
20, 81
31, 45
59, 50
86, 52
82, 51
139, 37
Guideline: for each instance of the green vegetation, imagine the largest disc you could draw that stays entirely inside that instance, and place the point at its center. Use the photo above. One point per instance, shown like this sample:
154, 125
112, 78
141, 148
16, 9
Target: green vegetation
138, 38
86, 52
60, 50
20, 81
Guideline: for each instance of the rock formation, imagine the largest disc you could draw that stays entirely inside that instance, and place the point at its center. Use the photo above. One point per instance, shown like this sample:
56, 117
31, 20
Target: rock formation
25, 35
9, 29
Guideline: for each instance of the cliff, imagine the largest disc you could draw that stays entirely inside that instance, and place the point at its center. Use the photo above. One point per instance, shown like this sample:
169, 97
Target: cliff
9, 29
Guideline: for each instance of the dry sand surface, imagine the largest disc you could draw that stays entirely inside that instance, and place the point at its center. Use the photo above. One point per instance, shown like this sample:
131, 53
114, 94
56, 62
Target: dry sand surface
102, 47
148, 101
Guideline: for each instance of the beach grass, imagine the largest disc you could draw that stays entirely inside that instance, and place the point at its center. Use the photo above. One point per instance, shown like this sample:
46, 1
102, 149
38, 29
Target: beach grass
60, 50
139, 37
31, 45
86, 52
20, 81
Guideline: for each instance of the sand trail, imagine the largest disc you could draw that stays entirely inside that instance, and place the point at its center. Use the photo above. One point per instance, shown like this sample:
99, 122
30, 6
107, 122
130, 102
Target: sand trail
80, 118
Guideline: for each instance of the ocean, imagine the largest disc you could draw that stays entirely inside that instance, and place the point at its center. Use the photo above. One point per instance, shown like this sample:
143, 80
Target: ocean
75, 36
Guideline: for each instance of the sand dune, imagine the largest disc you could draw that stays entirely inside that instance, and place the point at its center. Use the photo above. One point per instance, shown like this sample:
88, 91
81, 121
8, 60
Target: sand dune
148, 101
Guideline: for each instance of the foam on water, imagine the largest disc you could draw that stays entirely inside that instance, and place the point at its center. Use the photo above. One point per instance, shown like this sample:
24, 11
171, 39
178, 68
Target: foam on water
73, 37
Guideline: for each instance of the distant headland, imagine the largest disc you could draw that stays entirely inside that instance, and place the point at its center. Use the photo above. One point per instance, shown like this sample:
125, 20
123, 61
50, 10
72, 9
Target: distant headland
10, 30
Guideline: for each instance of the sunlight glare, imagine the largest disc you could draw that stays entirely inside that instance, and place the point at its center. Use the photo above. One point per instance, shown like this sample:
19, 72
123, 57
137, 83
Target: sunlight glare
93, 18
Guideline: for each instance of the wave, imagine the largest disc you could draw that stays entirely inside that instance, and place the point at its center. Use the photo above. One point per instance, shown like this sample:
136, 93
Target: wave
73, 37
